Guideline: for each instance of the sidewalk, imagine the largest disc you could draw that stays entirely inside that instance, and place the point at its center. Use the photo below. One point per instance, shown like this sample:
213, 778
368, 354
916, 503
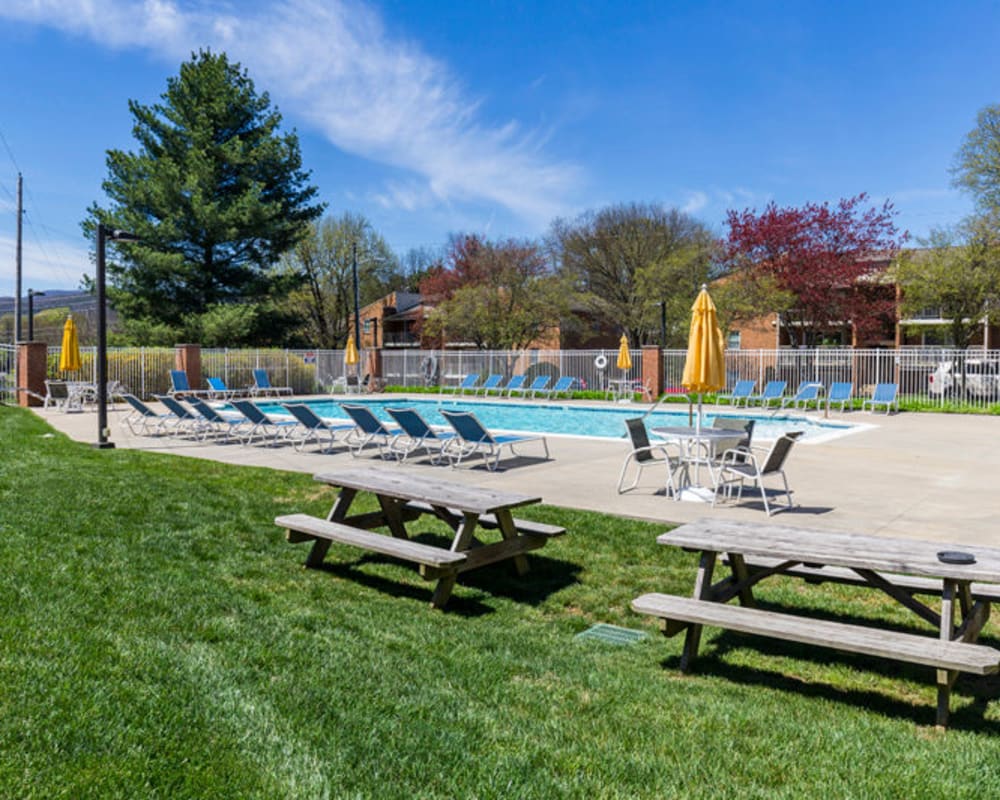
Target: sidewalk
924, 476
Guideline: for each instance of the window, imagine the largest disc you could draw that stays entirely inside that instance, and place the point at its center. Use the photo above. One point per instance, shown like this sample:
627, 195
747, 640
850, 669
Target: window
733, 340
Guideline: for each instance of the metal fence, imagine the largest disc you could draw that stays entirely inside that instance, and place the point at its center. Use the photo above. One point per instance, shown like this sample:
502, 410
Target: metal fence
934, 376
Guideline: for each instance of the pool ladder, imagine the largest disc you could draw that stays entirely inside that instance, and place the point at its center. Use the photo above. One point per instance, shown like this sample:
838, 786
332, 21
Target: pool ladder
664, 396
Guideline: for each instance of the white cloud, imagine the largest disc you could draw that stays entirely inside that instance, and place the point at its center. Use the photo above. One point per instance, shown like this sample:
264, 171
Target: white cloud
332, 63
696, 202
51, 264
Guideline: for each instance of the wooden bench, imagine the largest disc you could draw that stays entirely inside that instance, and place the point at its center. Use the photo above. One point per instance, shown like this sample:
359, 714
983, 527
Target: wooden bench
525, 527
908, 647
433, 560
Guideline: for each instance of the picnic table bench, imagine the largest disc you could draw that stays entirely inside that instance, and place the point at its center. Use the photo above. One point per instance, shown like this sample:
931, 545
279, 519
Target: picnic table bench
403, 498
901, 568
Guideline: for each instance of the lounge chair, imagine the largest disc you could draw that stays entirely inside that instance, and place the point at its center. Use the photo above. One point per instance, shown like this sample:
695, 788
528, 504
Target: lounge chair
808, 392
562, 386
772, 392
842, 393
739, 466
179, 386
142, 420
416, 435
217, 390
468, 384
314, 427
271, 429
884, 395
185, 419
215, 421
471, 437
515, 384
262, 386
537, 385
644, 454
740, 394
368, 429
491, 383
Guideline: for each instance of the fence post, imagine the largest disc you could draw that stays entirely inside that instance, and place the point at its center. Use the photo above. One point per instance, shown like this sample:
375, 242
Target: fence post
32, 367
652, 368
187, 357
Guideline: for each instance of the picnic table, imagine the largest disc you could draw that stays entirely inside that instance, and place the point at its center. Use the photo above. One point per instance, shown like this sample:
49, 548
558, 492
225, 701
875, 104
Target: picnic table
901, 568
403, 498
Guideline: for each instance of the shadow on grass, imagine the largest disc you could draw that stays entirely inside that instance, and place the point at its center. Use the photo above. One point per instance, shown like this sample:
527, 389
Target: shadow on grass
970, 716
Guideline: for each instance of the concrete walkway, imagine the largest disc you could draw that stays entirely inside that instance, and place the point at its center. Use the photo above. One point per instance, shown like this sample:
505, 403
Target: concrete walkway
924, 476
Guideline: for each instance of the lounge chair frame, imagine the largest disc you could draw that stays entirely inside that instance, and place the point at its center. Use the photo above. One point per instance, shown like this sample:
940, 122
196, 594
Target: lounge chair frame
472, 437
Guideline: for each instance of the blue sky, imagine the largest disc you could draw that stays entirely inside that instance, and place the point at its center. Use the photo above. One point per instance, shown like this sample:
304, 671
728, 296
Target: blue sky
496, 116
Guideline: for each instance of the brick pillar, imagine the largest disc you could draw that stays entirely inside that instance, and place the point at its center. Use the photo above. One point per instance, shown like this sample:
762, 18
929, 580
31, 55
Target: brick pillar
188, 358
32, 367
652, 368
375, 365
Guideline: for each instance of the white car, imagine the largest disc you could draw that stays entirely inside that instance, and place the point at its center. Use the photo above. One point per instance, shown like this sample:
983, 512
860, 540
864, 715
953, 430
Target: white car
981, 380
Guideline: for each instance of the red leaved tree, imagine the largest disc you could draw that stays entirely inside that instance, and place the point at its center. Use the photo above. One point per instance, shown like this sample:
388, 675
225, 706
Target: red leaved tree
830, 262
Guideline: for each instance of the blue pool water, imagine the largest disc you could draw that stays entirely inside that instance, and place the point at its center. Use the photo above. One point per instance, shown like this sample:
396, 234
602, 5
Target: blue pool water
574, 420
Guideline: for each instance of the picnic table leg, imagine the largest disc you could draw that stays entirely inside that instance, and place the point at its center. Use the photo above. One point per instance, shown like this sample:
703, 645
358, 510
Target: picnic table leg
505, 521
702, 591
393, 516
463, 537
946, 678
741, 574
337, 514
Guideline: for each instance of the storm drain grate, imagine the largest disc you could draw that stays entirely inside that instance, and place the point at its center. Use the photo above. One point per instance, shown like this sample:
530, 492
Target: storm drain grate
612, 634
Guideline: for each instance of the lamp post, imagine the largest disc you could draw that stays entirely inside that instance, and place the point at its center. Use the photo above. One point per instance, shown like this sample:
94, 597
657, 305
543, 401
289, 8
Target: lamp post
663, 323
103, 234
357, 296
32, 294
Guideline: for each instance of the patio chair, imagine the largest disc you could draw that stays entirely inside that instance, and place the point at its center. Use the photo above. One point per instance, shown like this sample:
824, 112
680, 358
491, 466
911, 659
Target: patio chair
772, 392
884, 395
740, 394
562, 386
515, 384
217, 390
215, 421
842, 393
271, 429
262, 386
739, 466
314, 427
491, 383
468, 383
808, 392
537, 385
644, 454
142, 420
179, 386
417, 434
185, 420
743, 433
472, 437
368, 429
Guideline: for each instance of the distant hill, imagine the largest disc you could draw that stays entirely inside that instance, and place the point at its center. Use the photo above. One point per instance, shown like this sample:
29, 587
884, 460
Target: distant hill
73, 299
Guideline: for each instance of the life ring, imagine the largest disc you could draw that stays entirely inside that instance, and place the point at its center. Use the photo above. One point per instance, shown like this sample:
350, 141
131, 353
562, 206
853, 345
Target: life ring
429, 368
601, 361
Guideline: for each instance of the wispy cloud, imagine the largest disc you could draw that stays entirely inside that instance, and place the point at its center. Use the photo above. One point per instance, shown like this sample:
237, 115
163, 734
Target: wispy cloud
332, 64
50, 264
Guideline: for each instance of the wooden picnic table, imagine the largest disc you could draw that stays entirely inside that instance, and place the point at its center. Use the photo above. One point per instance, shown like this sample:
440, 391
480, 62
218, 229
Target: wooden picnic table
902, 568
404, 497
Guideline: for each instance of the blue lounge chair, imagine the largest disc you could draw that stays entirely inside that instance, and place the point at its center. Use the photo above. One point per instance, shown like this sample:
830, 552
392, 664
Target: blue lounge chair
563, 386
262, 385
314, 427
772, 393
884, 395
740, 394
214, 421
270, 429
840, 393
179, 386
515, 384
217, 390
492, 382
468, 384
142, 420
185, 420
368, 429
416, 435
537, 385
808, 392
471, 437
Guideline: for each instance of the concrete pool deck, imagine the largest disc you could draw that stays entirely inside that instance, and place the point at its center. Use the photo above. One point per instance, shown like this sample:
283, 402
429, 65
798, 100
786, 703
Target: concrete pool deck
922, 476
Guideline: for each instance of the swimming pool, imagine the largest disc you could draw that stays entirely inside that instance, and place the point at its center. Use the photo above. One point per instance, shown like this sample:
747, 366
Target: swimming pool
604, 422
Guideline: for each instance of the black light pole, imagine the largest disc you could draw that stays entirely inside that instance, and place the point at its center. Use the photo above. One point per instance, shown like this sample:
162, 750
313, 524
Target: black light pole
663, 323
357, 297
32, 294
103, 234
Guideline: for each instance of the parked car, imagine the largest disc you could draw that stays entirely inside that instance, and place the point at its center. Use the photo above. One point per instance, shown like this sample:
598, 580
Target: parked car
981, 380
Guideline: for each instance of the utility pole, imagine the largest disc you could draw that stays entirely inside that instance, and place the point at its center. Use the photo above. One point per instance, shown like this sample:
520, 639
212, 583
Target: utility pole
17, 263
357, 297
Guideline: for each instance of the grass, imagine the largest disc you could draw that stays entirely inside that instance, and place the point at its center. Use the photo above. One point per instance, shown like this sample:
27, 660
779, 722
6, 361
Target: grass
158, 638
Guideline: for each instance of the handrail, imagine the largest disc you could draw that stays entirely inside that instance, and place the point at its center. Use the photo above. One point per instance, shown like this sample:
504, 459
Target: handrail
664, 396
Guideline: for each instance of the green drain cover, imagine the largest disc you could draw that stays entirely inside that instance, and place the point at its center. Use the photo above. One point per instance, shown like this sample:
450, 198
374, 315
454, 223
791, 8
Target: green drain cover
612, 634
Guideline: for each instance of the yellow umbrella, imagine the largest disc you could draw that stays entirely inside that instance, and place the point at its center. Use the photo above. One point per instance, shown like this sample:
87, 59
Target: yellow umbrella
69, 358
705, 367
351, 356
624, 356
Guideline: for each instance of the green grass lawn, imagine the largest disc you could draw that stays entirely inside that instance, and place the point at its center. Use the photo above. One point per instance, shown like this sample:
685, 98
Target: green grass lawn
159, 638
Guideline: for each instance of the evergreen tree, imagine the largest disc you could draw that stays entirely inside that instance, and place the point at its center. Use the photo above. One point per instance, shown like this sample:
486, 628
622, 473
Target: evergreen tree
215, 193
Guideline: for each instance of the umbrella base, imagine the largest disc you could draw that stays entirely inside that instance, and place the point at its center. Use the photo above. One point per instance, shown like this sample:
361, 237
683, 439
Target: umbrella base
696, 494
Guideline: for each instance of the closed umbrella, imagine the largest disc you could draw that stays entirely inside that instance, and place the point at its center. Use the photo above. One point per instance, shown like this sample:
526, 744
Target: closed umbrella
351, 355
624, 356
69, 358
705, 367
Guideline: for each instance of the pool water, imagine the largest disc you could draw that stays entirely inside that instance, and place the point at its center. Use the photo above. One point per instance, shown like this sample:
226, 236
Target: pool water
571, 419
